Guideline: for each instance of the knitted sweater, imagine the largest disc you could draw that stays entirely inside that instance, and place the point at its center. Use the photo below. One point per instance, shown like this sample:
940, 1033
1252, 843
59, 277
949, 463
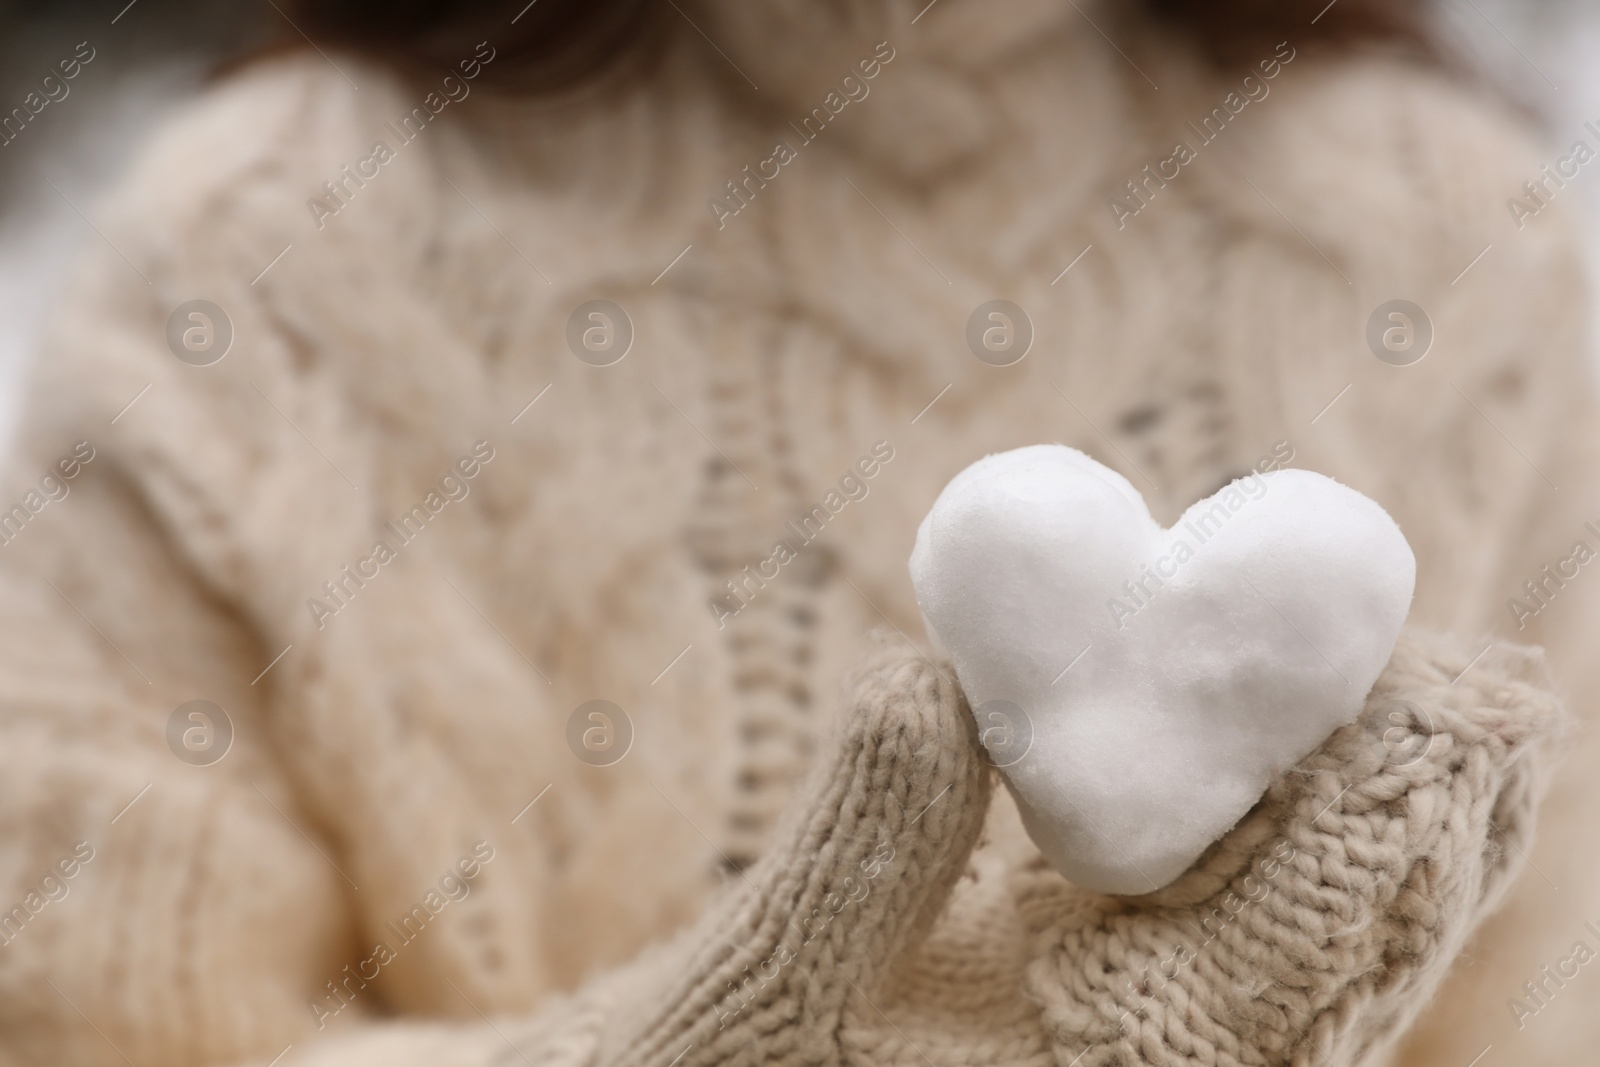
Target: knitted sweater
399, 715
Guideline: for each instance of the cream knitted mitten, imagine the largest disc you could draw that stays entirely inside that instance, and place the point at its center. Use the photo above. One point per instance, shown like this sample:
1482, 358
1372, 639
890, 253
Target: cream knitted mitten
1311, 934
899, 920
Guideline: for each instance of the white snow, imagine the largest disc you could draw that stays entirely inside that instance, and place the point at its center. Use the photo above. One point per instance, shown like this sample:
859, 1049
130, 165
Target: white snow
1205, 659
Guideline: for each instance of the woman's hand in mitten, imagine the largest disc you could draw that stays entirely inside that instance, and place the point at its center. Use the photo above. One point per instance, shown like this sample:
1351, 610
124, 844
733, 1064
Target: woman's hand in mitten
879, 930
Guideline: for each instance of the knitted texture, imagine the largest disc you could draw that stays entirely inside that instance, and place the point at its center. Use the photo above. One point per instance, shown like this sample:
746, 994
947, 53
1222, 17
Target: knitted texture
1312, 933
898, 920
1325, 921
854, 881
372, 749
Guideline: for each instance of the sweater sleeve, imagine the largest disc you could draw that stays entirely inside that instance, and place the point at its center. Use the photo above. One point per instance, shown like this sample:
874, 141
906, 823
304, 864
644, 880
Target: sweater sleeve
399, 756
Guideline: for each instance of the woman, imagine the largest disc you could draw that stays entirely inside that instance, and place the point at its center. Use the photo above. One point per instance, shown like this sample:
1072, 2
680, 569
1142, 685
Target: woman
462, 368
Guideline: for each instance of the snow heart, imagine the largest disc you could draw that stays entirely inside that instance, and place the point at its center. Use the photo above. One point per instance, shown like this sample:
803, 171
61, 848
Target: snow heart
1264, 617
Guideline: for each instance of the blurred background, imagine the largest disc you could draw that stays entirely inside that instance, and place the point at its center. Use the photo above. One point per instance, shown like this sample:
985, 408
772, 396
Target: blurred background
150, 55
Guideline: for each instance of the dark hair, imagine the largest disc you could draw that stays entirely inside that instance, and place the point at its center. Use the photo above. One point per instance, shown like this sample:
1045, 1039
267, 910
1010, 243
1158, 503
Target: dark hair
552, 44
539, 46
1235, 31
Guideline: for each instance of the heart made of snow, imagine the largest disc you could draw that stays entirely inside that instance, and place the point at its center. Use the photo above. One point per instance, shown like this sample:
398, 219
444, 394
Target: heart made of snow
1160, 679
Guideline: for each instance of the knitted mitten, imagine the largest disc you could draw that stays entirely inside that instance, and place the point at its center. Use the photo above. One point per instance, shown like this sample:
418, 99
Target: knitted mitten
900, 918
1311, 934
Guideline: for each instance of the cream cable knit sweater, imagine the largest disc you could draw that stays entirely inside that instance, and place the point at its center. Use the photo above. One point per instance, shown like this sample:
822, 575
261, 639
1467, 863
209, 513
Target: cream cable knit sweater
374, 751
